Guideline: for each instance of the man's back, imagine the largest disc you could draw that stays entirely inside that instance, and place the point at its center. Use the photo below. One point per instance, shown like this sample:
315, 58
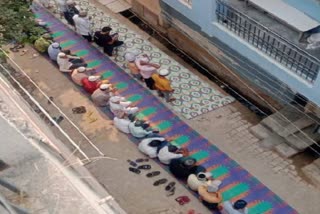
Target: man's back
165, 156
53, 52
77, 77
161, 83
100, 98
82, 25
101, 39
89, 86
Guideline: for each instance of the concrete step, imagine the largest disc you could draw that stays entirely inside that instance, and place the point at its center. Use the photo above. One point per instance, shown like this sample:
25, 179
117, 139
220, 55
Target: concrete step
312, 171
285, 150
281, 119
295, 126
272, 141
300, 142
260, 131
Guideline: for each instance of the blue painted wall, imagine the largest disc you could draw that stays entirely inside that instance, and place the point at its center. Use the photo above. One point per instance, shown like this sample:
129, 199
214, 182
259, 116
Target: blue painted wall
202, 13
309, 7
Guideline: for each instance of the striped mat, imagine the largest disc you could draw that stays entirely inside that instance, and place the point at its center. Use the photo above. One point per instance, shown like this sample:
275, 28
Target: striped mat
236, 182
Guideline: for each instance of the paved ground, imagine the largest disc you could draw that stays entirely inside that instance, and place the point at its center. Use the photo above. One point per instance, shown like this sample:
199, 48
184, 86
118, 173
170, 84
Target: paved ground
227, 127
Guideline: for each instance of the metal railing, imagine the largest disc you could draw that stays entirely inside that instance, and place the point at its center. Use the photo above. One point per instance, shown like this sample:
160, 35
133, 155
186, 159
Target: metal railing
267, 41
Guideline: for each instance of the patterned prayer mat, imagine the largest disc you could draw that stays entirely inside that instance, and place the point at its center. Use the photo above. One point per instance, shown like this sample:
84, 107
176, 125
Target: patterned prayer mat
194, 96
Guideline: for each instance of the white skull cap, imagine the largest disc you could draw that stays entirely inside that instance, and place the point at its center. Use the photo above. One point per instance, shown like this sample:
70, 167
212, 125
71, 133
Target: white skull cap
130, 57
69, 2
93, 78
105, 86
55, 45
81, 69
62, 54
163, 72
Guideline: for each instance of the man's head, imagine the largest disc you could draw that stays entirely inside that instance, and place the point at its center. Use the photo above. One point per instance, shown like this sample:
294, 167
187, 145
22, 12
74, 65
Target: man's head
172, 148
130, 57
144, 58
142, 124
240, 204
189, 162
155, 143
105, 87
106, 30
131, 117
203, 176
163, 72
83, 14
139, 123
70, 3
81, 69
93, 78
55, 45
62, 55
145, 125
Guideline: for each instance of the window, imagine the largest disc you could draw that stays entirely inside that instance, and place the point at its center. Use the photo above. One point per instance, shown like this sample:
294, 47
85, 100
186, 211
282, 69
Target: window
267, 41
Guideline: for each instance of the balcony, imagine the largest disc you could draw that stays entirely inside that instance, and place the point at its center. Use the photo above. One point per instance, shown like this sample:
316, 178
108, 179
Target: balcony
271, 37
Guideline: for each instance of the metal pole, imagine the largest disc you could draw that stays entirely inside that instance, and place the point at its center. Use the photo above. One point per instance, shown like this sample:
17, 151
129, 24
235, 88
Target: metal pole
12, 187
6, 205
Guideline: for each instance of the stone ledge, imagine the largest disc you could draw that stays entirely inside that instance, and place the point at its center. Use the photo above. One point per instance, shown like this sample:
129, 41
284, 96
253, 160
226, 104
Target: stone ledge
312, 171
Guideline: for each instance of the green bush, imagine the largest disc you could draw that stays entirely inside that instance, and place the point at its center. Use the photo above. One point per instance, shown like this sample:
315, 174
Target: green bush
17, 22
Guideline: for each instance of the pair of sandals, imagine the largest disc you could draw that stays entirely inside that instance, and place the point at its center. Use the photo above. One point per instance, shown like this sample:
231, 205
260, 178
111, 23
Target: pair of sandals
79, 110
16, 48
139, 160
139, 168
170, 188
182, 200
58, 120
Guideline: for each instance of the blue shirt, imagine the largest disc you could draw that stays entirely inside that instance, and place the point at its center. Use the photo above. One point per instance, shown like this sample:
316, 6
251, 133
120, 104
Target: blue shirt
53, 52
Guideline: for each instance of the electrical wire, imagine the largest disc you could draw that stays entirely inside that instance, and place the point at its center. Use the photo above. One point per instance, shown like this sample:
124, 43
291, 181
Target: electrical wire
51, 102
251, 89
261, 98
45, 112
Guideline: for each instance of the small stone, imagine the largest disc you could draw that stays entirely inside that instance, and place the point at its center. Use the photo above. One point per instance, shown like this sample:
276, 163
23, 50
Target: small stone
277, 168
294, 173
286, 170
291, 167
297, 179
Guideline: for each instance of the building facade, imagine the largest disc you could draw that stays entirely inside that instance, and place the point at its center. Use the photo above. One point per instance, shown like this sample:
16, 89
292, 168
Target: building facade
266, 49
